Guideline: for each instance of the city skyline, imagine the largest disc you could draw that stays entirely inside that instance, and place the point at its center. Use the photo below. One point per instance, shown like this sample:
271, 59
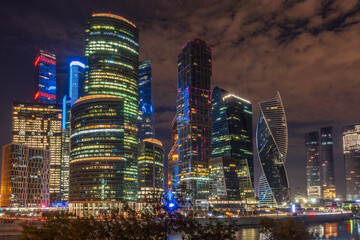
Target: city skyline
299, 123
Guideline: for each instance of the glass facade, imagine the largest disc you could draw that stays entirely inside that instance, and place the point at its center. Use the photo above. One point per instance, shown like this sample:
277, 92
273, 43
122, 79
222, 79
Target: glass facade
313, 166
39, 126
45, 77
232, 136
76, 80
25, 176
101, 165
264, 193
146, 108
76, 90
351, 148
173, 155
105, 142
194, 118
272, 144
327, 161
151, 169
224, 181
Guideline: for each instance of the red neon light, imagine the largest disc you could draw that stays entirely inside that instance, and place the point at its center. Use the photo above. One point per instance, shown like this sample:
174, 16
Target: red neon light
44, 59
51, 96
36, 95
37, 61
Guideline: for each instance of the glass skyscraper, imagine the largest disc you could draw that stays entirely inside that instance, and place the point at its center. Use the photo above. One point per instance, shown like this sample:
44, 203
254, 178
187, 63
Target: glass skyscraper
327, 161
151, 169
232, 136
38, 125
351, 148
272, 144
45, 77
76, 80
313, 166
76, 90
194, 118
146, 108
104, 123
173, 155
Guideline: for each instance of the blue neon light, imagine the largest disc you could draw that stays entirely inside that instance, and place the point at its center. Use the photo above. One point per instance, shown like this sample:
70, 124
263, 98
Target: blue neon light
64, 112
77, 63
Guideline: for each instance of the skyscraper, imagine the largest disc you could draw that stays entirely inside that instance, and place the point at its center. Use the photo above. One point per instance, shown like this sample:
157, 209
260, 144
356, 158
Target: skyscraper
104, 143
146, 108
232, 136
45, 77
76, 80
313, 166
151, 169
76, 90
272, 144
194, 118
25, 176
39, 126
173, 155
327, 161
351, 148
101, 168
224, 181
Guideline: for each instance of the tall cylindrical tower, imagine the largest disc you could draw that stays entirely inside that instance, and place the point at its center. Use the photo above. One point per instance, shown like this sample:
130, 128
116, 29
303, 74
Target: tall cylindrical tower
104, 123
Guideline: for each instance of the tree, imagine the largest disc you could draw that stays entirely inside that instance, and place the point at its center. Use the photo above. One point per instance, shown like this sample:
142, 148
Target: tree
153, 222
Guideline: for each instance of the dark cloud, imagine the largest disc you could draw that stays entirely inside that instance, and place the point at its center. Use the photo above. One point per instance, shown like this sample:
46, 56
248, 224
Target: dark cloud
307, 50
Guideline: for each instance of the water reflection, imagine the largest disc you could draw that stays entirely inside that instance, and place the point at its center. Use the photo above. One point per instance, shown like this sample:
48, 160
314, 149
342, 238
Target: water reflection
344, 230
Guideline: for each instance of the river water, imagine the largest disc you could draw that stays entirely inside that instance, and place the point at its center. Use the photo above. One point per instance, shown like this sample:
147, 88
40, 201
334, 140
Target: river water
344, 230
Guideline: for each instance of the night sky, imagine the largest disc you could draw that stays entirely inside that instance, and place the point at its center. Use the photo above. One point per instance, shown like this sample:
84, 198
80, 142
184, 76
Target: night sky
307, 50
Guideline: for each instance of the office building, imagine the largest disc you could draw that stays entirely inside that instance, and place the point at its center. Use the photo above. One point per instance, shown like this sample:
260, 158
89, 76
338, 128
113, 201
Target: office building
146, 108
327, 161
76, 90
351, 148
272, 144
104, 143
173, 155
232, 137
76, 80
224, 182
194, 118
265, 195
39, 126
151, 170
313, 166
102, 170
45, 77
25, 176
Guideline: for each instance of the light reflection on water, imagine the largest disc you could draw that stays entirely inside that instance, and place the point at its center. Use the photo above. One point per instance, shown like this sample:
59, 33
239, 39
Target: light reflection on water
343, 230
